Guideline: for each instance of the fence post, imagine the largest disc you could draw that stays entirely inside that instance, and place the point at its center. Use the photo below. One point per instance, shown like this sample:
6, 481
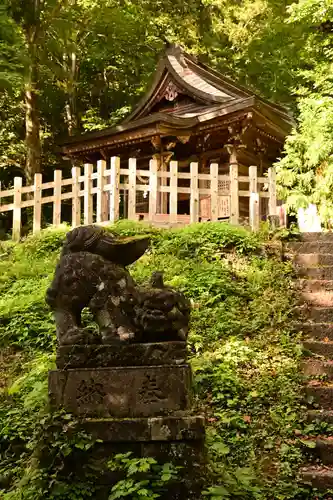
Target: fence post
76, 202
37, 203
57, 198
16, 234
132, 189
101, 208
114, 193
88, 200
254, 199
194, 196
173, 198
272, 191
152, 189
214, 187
234, 199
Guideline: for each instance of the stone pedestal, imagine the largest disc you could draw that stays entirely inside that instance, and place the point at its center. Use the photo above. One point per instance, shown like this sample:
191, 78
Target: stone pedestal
134, 397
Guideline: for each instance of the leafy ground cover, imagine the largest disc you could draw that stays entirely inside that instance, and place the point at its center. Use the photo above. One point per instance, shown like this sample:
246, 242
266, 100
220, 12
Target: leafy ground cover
244, 353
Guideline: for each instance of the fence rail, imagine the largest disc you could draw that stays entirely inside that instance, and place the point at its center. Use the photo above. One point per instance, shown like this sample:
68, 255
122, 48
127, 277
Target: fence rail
97, 194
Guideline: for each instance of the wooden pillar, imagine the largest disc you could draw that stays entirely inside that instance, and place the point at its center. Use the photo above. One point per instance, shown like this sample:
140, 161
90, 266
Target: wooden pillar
88, 199
76, 200
57, 198
114, 193
254, 210
173, 191
37, 203
272, 204
132, 189
17, 208
152, 190
162, 198
101, 209
214, 187
234, 196
194, 197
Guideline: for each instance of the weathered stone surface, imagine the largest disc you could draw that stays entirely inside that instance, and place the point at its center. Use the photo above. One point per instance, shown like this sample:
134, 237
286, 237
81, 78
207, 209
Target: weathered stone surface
91, 273
318, 477
319, 314
317, 299
308, 285
317, 331
317, 273
314, 259
328, 237
310, 246
189, 455
121, 392
321, 348
99, 356
324, 450
314, 262
316, 367
168, 428
320, 395
320, 416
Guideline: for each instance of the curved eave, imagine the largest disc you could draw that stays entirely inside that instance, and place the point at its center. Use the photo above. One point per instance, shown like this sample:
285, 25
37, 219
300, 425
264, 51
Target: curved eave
264, 116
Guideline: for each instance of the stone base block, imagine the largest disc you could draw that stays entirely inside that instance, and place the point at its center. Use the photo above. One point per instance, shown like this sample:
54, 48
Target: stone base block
145, 391
181, 428
100, 356
188, 455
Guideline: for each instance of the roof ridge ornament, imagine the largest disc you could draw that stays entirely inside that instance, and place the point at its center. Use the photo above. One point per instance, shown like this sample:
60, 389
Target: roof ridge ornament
179, 52
171, 92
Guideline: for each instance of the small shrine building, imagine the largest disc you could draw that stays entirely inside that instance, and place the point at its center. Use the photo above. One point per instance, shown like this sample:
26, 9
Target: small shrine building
191, 113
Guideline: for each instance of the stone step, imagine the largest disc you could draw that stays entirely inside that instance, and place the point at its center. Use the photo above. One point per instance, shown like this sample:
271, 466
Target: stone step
309, 247
314, 259
308, 285
326, 236
320, 299
318, 347
320, 394
316, 331
315, 273
319, 477
315, 367
320, 416
323, 449
317, 314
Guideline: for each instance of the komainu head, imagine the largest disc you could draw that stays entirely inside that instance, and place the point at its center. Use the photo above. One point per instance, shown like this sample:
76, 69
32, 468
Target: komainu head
99, 241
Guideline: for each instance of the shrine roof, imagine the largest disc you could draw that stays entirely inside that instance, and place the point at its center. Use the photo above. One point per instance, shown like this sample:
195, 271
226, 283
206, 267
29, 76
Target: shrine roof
184, 94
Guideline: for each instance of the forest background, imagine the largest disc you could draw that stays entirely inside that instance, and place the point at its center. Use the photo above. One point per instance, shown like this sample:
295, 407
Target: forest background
68, 66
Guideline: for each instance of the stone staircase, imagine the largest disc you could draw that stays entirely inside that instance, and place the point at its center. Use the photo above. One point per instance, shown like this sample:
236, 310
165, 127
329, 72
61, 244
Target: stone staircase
314, 264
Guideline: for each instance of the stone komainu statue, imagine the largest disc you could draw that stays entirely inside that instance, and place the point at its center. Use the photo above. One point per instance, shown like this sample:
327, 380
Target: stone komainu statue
92, 273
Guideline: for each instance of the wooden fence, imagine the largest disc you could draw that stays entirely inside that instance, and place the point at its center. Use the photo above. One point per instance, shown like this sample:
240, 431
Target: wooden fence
97, 192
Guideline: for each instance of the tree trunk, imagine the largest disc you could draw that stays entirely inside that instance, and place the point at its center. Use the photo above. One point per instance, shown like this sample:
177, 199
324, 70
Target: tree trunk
32, 125
32, 134
70, 107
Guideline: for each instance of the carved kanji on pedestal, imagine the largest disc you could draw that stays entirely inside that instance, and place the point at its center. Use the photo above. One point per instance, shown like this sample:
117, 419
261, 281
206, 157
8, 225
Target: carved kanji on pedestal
129, 382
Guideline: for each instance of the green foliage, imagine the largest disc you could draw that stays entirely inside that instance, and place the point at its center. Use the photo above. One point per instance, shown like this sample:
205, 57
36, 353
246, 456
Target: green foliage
145, 478
244, 355
305, 172
35, 444
25, 320
87, 72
